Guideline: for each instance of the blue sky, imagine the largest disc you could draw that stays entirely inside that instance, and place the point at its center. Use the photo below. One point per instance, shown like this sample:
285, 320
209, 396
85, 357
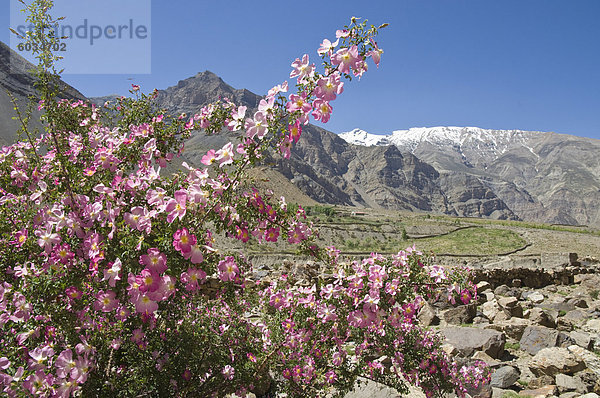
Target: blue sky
531, 65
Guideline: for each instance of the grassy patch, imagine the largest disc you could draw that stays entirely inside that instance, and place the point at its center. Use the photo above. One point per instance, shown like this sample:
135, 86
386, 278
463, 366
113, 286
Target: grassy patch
472, 241
512, 346
362, 231
523, 382
479, 241
525, 224
372, 244
512, 394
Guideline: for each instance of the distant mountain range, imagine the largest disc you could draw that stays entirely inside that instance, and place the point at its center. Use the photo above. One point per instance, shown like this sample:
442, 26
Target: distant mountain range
540, 176
463, 171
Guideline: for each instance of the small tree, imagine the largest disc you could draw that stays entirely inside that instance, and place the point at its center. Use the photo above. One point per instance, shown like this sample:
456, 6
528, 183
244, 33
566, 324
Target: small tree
112, 283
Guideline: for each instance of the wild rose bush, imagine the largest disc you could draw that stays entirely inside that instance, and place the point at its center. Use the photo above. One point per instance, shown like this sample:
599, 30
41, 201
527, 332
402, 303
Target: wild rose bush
361, 320
112, 284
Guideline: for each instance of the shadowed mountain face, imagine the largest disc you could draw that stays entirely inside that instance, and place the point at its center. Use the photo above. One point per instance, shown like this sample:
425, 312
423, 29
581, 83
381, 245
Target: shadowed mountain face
330, 170
17, 80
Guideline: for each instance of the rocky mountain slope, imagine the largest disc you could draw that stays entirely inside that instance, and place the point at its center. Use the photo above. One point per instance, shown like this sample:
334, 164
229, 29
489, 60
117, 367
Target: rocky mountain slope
329, 170
17, 80
540, 176
464, 172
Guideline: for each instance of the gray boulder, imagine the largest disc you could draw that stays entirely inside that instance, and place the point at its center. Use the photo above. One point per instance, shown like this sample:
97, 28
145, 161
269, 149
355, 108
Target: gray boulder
460, 315
368, 388
536, 338
578, 302
504, 290
536, 297
513, 327
541, 317
564, 340
555, 360
483, 286
505, 377
577, 316
592, 361
482, 356
570, 395
427, 316
490, 309
566, 383
593, 325
469, 340
542, 392
511, 306
540, 381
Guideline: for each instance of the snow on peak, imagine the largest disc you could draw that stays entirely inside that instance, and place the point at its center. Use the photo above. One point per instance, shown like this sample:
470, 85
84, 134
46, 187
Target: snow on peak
494, 141
361, 137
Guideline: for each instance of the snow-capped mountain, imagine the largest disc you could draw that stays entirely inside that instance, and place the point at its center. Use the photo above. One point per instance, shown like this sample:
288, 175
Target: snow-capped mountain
489, 143
361, 137
539, 175
460, 146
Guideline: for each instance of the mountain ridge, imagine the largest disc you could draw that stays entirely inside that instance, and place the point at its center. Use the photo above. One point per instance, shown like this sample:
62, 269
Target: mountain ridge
552, 179
533, 171
484, 174
330, 170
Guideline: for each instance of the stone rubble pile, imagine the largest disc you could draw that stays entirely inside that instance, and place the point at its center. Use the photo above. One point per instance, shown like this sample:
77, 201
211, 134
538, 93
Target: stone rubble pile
542, 342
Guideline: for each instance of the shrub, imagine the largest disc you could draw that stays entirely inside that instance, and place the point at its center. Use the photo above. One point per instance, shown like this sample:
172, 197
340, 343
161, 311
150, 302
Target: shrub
112, 284
512, 346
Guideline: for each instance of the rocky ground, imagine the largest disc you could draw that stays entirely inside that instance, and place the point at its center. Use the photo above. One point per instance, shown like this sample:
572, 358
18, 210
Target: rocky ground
536, 324
539, 341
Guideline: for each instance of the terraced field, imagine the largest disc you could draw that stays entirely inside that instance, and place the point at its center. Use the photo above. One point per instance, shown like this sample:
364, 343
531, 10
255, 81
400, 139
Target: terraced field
359, 232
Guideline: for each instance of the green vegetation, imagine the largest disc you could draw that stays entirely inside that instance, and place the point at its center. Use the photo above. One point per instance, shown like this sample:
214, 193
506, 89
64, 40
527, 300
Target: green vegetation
343, 215
404, 234
370, 244
362, 231
335, 216
594, 294
512, 346
549, 227
512, 394
328, 211
516, 224
478, 240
